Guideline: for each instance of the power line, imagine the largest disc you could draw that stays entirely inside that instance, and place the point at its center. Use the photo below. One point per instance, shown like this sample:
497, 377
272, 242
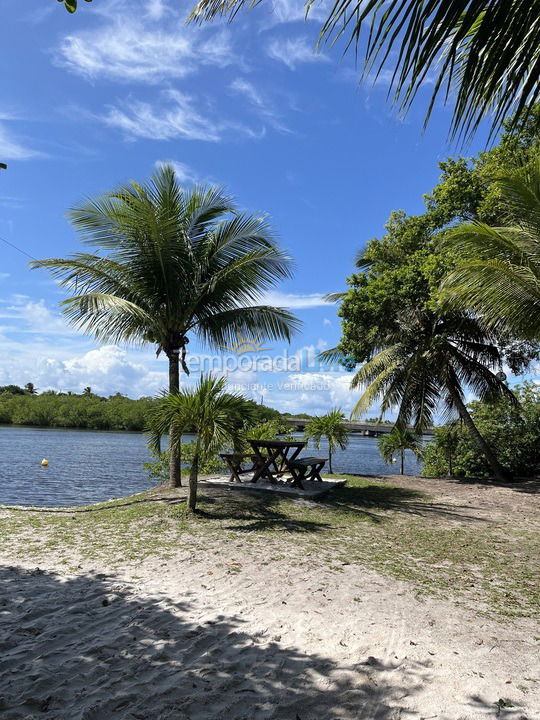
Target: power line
7, 242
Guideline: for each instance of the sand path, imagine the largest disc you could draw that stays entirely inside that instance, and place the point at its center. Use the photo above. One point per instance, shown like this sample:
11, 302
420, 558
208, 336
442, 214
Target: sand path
207, 639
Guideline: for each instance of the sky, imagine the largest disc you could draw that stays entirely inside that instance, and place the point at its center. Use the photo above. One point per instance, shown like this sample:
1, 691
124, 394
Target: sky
95, 99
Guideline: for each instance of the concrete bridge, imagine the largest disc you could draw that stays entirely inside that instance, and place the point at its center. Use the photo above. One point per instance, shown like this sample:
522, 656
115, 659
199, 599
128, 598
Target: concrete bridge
361, 428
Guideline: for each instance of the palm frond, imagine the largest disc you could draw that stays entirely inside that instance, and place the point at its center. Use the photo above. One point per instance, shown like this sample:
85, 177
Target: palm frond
482, 54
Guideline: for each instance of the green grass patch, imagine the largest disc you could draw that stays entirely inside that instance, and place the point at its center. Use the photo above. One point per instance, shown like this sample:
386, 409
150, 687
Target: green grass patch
440, 548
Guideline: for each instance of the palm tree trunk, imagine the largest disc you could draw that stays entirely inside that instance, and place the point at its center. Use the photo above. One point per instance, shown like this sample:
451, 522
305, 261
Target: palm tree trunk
193, 476
402, 461
330, 459
498, 470
175, 458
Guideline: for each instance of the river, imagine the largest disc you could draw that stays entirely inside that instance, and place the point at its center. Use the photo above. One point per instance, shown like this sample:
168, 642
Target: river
87, 467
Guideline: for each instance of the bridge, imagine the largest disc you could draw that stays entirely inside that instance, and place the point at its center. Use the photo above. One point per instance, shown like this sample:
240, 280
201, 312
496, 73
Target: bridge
362, 428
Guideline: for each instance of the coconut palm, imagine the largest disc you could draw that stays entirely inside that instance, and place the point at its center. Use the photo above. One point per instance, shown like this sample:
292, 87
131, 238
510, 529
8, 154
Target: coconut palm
215, 416
396, 442
331, 427
498, 275
429, 359
171, 262
484, 53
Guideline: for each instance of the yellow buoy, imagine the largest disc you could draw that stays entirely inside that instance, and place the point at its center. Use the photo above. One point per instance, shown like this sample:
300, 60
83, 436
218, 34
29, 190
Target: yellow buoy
44, 462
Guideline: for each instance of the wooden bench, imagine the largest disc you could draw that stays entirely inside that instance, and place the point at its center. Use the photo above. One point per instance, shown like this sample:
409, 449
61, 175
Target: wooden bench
306, 468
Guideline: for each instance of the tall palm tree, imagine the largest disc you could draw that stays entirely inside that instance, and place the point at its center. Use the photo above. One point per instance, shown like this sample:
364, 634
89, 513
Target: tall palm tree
171, 262
332, 427
486, 53
397, 441
216, 416
429, 359
498, 275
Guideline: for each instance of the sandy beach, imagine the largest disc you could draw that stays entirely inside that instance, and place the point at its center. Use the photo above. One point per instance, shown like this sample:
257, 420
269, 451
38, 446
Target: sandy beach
226, 632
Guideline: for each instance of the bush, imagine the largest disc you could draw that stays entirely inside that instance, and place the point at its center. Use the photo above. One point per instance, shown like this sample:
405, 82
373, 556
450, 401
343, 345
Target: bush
513, 432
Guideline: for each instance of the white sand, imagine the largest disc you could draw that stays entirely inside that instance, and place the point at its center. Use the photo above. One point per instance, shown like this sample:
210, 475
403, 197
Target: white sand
189, 639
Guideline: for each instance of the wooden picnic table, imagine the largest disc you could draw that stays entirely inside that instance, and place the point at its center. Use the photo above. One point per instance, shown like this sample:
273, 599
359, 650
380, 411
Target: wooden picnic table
275, 458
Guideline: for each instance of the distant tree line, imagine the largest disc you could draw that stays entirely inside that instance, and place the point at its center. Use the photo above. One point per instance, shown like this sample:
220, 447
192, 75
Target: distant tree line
25, 406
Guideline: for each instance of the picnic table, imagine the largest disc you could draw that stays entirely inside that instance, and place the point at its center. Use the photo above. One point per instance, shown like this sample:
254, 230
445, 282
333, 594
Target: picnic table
276, 458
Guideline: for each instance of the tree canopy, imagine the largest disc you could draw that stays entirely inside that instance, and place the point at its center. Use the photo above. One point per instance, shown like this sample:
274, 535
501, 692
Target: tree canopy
405, 267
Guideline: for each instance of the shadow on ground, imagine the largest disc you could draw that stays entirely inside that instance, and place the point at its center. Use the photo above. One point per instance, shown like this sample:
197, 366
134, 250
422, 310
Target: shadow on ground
89, 648
530, 485
370, 500
256, 510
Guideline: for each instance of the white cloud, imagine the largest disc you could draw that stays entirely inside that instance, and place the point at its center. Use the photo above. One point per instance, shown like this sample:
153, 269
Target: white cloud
326, 322
175, 116
262, 106
156, 9
286, 11
32, 316
295, 301
107, 369
294, 51
310, 392
11, 202
137, 51
13, 149
176, 119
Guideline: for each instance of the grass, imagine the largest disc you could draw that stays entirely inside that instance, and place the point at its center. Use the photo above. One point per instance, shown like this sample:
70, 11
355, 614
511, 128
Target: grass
445, 547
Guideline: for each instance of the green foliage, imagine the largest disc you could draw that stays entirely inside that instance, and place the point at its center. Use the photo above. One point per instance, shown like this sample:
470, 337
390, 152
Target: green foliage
269, 430
404, 268
331, 427
217, 418
170, 262
13, 389
158, 466
71, 5
396, 442
513, 430
498, 274
84, 411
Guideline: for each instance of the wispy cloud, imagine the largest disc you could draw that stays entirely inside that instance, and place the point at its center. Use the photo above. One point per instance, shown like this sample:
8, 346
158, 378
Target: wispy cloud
156, 9
295, 301
144, 50
12, 148
294, 51
174, 116
287, 11
263, 107
164, 121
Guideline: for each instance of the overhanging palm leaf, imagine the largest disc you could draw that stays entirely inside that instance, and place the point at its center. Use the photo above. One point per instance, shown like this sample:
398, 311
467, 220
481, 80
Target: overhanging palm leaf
487, 52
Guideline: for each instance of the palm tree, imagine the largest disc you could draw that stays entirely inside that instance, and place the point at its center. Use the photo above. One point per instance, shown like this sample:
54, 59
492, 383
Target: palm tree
215, 416
498, 275
171, 262
428, 359
332, 427
397, 441
484, 53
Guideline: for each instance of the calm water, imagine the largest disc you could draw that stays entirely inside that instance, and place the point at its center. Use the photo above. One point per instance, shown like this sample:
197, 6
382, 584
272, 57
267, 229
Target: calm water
88, 467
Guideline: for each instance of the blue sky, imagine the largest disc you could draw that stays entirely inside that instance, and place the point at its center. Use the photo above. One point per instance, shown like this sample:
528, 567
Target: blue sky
97, 98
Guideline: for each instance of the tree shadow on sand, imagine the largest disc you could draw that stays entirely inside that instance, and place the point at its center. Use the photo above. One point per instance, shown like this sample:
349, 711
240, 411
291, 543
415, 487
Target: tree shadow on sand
253, 510
371, 499
89, 648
